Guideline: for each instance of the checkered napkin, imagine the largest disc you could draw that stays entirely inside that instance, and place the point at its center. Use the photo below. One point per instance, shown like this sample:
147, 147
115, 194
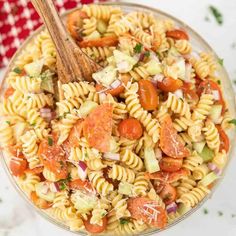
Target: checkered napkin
18, 19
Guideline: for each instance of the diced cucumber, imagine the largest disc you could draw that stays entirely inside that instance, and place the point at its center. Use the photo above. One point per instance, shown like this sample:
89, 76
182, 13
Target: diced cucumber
215, 113
94, 35
150, 160
182, 209
125, 188
84, 202
208, 179
40, 189
106, 76
124, 62
86, 108
34, 68
199, 146
47, 84
153, 67
207, 154
101, 26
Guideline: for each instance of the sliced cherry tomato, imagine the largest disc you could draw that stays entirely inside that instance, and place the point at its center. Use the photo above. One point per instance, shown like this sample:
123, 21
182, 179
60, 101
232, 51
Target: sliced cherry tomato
168, 194
208, 86
170, 142
18, 166
116, 91
169, 84
108, 41
79, 184
168, 177
53, 157
177, 34
76, 133
189, 92
130, 128
142, 208
148, 95
75, 23
39, 202
95, 229
97, 127
170, 164
36, 170
9, 92
224, 139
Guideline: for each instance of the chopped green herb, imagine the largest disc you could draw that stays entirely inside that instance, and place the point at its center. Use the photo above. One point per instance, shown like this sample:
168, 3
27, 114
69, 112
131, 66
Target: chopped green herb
233, 122
205, 211
218, 82
62, 186
50, 141
63, 182
124, 221
63, 116
233, 215
147, 54
138, 48
221, 61
8, 122
217, 14
67, 39
103, 214
33, 124
17, 70
220, 213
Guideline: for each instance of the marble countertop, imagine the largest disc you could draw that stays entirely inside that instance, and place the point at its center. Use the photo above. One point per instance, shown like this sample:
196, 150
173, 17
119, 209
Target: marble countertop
18, 219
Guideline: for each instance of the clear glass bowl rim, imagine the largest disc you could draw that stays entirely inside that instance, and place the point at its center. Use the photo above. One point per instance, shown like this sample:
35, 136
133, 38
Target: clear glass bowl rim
200, 40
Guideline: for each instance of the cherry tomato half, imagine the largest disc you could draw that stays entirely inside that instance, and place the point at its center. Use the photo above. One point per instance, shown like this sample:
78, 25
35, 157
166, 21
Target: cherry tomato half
170, 164
81, 185
168, 194
148, 95
177, 34
9, 92
130, 128
18, 166
95, 229
39, 202
189, 92
169, 84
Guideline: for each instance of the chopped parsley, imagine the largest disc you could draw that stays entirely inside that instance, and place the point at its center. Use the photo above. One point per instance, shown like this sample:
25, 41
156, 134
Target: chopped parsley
103, 214
33, 124
8, 122
218, 82
220, 213
50, 141
63, 183
17, 70
124, 221
205, 211
138, 48
147, 54
233, 122
221, 61
217, 14
63, 116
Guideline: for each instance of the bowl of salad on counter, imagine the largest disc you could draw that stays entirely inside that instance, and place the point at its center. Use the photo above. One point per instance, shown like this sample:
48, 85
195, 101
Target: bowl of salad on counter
136, 149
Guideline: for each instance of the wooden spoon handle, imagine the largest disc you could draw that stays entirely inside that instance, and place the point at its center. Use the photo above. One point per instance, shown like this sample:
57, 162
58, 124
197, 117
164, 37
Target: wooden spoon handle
59, 35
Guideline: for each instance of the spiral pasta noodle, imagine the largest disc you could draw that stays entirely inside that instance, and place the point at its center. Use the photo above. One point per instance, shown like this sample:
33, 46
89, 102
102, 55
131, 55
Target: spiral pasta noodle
141, 185
182, 123
139, 73
131, 160
38, 100
200, 172
61, 199
131, 228
68, 105
89, 26
201, 67
28, 181
185, 186
183, 46
6, 134
192, 161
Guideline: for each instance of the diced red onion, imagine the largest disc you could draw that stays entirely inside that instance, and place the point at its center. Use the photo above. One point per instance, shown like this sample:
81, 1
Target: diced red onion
214, 168
171, 208
179, 93
54, 187
141, 56
112, 156
218, 171
45, 110
82, 170
158, 77
154, 82
116, 84
46, 113
216, 95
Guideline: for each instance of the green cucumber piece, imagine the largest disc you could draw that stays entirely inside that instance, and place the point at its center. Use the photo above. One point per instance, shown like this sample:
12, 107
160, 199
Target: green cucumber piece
125, 188
215, 113
34, 68
153, 67
207, 154
198, 146
150, 160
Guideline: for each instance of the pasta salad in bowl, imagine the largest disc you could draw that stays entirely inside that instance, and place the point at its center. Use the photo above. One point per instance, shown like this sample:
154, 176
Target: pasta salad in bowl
136, 149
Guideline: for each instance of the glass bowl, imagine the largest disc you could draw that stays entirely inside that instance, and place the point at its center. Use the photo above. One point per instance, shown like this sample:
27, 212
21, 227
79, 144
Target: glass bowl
199, 44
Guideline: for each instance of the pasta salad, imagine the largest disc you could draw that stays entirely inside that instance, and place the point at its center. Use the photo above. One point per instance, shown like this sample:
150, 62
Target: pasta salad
136, 147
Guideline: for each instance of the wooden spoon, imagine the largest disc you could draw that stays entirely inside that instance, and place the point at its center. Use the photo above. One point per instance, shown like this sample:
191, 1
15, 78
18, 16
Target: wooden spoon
72, 63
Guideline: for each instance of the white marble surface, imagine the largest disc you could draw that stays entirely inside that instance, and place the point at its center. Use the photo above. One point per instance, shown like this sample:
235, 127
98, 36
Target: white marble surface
18, 219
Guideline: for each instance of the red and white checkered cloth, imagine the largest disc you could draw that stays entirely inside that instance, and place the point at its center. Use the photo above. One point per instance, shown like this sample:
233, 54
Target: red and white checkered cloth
18, 19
